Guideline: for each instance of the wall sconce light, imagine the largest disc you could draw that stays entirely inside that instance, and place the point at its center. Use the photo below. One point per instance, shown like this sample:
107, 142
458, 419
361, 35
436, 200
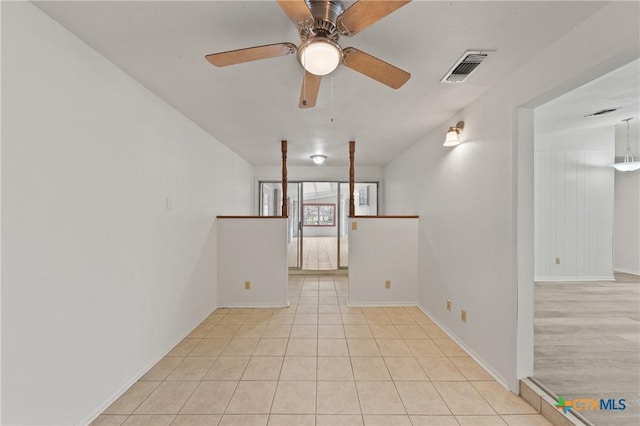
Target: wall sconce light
452, 134
318, 159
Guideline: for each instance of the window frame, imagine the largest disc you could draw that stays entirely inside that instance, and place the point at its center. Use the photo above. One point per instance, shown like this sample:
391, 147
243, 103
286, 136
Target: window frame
318, 205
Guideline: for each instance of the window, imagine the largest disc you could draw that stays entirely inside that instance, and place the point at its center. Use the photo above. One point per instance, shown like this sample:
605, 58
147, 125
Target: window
363, 196
319, 215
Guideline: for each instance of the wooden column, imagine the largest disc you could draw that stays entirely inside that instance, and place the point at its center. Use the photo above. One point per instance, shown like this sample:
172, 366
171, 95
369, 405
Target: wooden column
352, 179
283, 147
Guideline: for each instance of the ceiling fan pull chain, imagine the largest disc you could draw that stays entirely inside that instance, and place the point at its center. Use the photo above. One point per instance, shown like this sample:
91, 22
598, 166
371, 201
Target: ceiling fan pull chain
332, 97
304, 88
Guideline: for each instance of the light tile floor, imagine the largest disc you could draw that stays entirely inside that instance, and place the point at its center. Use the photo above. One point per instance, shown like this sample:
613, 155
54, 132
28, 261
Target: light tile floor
318, 362
320, 253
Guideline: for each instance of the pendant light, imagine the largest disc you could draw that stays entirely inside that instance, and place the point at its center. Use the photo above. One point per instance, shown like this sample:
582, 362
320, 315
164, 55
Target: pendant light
628, 164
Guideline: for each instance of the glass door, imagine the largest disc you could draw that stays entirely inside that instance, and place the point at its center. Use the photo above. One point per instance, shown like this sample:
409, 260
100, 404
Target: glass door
294, 235
271, 205
320, 226
343, 240
317, 226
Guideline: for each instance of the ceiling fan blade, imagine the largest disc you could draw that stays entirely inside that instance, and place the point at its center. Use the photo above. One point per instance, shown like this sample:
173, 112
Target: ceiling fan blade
249, 54
296, 10
365, 13
310, 88
375, 68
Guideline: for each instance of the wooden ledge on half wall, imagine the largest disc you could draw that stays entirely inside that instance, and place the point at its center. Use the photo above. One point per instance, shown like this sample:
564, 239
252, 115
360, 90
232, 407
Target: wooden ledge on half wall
251, 217
385, 217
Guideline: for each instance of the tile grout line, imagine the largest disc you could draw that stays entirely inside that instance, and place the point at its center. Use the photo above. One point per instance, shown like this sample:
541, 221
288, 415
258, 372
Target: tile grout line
445, 402
341, 310
226, 407
275, 392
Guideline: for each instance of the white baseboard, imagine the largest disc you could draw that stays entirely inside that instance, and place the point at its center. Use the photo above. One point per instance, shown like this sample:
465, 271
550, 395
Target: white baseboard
122, 389
575, 279
118, 393
252, 305
356, 304
497, 376
627, 271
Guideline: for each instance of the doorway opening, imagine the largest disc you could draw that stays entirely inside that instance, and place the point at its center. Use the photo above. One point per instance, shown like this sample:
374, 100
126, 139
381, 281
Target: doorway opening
585, 307
317, 231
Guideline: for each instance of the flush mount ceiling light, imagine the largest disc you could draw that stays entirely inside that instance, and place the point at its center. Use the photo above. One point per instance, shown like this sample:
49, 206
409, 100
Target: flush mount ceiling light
628, 164
320, 56
452, 134
318, 159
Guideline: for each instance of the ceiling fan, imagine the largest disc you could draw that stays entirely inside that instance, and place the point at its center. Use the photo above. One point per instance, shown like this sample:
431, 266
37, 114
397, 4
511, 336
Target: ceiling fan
320, 24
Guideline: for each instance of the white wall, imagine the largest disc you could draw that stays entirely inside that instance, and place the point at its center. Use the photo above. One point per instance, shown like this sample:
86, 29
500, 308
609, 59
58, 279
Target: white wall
574, 205
383, 249
99, 278
467, 197
252, 250
627, 204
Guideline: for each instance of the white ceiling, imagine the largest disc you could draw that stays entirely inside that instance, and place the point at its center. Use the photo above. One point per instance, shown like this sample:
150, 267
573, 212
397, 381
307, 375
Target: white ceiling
619, 89
251, 107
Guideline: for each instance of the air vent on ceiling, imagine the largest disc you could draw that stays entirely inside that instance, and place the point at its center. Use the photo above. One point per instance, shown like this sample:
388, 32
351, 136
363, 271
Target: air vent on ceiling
464, 66
601, 112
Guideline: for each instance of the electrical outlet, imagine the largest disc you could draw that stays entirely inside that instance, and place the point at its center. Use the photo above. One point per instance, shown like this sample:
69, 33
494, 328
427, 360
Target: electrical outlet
387, 284
354, 226
557, 260
448, 305
463, 315
247, 285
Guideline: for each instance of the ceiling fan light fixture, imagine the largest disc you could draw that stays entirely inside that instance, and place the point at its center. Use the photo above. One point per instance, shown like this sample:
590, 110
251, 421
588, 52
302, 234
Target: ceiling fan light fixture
628, 164
320, 56
319, 24
318, 158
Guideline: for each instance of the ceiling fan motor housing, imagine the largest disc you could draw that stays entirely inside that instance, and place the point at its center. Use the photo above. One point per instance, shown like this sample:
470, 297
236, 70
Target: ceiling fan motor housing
325, 15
